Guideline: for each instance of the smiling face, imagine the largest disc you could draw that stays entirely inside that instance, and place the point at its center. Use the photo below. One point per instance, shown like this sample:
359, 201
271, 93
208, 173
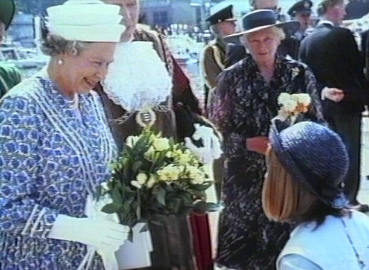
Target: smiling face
263, 44
80, 73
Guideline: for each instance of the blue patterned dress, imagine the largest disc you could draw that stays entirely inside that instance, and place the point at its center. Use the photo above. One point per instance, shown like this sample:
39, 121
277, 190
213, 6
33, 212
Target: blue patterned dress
50, 160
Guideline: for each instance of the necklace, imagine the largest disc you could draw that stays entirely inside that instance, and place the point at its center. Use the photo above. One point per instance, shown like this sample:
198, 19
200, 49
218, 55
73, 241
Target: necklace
360, 261
75, 102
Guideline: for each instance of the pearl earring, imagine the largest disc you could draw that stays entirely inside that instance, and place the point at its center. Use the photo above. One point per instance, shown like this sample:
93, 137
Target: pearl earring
60, 62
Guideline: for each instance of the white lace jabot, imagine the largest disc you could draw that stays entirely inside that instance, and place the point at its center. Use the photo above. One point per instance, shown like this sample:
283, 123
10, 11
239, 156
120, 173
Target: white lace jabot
138, 78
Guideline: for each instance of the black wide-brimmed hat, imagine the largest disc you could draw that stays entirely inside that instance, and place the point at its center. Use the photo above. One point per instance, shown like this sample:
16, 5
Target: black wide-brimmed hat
301, 7
262, 19
314, 156
7, 10
223, 15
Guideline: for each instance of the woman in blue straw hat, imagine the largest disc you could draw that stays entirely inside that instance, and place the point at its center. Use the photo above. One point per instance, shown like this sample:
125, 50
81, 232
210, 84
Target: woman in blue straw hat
307, 164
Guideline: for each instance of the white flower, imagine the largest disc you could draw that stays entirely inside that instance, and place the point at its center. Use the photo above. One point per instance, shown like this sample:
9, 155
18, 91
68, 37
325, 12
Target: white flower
284, 98
198, 180
136, 184
141, 178
151, 182
304, 99
290, 106
132, 140
161, 144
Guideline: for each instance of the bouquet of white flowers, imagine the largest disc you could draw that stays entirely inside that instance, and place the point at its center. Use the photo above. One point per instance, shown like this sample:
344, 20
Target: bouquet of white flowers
292, 105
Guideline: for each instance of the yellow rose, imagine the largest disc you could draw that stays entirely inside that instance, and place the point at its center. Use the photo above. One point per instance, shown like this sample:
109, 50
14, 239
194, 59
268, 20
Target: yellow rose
161, 144
169, 173
141, 178
184, 159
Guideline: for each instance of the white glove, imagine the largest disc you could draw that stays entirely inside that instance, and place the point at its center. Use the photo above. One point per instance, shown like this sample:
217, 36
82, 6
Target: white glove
211, 149
101, 234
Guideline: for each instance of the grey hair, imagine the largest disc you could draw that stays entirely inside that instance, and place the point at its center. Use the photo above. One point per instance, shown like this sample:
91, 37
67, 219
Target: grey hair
54, 45
278, 32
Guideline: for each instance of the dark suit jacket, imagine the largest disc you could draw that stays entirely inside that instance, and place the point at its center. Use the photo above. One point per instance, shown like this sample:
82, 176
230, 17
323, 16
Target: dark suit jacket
236, 52
333, 55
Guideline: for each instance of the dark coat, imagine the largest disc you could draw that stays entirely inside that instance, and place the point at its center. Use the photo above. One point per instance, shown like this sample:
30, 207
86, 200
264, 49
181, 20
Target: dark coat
333, 55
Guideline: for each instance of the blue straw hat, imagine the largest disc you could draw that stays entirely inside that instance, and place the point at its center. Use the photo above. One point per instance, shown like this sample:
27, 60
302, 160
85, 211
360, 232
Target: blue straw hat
315, 156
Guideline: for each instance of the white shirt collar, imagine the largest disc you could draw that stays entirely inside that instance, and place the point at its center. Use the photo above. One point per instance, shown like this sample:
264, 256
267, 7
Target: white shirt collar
325, 22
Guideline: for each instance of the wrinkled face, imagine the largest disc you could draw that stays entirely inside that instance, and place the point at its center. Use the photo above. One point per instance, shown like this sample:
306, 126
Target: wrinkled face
2, 32
304, 19
266, 4
82, 72
263, 44
227, 28
130, 10
337, 13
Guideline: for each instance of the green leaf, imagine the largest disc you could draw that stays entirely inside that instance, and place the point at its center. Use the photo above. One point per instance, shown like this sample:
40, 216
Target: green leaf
111, 208
117, 198
136, 166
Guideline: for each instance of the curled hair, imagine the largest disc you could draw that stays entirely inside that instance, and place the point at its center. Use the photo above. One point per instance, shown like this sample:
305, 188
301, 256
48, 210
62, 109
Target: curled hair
53, 45
286, 200
278, 32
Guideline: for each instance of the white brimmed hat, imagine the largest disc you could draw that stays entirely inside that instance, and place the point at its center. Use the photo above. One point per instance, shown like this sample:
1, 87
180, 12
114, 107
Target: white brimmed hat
85, 20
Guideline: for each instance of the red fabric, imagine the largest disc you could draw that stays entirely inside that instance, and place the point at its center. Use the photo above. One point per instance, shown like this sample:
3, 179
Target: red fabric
202, 241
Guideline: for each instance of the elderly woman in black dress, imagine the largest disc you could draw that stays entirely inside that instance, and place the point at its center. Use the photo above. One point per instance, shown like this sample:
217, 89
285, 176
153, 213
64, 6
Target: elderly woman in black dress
242, 106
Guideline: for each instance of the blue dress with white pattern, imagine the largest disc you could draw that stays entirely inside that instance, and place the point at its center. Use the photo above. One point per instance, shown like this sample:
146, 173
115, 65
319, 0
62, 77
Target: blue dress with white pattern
50, 160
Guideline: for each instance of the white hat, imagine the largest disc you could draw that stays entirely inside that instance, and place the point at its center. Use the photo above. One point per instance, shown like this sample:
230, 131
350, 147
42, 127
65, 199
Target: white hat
86, 20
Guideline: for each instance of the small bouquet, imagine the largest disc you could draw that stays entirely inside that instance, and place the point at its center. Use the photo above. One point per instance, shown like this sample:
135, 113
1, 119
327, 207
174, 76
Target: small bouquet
292, 105
155, 176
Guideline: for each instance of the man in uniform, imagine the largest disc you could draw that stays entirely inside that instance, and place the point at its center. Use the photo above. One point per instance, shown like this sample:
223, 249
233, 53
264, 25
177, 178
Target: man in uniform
9, 74
222, 24
301, 11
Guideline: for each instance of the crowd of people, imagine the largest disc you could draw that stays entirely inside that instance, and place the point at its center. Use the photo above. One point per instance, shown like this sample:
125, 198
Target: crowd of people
288, 188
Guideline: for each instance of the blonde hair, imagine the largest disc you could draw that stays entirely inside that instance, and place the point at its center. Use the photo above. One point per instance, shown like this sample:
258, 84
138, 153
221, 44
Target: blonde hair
284, 199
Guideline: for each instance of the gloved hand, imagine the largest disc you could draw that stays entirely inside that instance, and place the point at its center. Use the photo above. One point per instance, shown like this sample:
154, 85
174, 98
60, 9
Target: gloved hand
101, 234
211, 149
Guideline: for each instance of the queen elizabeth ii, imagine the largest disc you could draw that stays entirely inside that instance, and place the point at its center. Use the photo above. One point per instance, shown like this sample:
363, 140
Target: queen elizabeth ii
55, 147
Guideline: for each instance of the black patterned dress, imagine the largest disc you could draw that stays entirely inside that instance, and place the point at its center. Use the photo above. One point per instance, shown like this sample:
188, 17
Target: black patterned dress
242, 106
